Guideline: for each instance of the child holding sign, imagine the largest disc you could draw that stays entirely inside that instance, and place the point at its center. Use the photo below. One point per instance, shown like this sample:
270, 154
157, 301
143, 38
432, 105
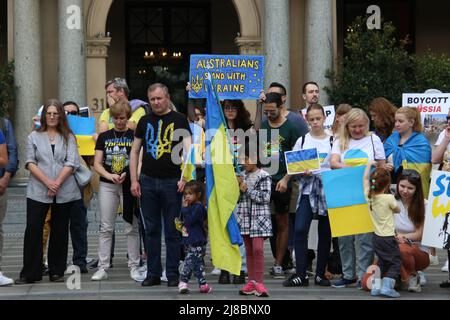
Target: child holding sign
382, 208
312, 201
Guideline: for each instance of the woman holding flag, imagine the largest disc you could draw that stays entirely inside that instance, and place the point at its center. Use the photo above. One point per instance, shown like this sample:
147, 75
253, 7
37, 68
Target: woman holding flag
355, 147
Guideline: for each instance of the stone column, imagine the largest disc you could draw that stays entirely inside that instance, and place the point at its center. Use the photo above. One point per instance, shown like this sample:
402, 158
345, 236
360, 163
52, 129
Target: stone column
276, 43
27, 75
319, 43
72, 52
97, 53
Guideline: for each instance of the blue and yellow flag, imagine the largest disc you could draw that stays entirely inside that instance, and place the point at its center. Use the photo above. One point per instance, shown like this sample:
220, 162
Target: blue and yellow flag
301, 160
415, 154
83, 129
188, 171
347, 207
222, 189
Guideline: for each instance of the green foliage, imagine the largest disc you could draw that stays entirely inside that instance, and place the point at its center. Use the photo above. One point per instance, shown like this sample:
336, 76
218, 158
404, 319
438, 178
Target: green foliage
6, 87
431, 71
376, 64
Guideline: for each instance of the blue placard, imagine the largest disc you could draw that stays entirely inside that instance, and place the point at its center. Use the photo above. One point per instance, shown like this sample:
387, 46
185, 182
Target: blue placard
234, 76
81, 126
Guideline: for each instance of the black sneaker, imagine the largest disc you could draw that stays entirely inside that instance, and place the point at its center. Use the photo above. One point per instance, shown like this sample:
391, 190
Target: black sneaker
240, 279
324, 282
151, 281
172, 282
224, 277
296, 280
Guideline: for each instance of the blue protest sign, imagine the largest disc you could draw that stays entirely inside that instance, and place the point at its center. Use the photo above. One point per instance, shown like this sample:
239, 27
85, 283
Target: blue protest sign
234, 76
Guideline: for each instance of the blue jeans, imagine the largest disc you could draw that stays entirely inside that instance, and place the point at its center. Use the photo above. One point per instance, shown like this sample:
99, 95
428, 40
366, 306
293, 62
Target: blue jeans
161, 197
78, 232
303, 220
348, 254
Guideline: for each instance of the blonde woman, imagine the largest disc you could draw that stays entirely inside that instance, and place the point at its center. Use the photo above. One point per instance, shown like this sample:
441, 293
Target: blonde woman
356, 146
409, 147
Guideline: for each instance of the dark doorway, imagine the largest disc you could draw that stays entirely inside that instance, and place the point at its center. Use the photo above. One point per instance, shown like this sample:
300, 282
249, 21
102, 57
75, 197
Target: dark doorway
160, 37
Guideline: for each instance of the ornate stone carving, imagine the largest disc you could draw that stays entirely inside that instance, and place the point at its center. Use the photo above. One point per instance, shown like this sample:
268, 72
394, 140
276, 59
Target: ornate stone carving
249, 45
98, 47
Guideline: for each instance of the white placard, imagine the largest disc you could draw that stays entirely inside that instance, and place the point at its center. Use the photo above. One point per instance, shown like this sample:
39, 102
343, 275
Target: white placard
432, 106
436, 233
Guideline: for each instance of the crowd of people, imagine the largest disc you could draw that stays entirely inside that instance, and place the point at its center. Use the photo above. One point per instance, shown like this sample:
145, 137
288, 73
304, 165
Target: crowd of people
135, 175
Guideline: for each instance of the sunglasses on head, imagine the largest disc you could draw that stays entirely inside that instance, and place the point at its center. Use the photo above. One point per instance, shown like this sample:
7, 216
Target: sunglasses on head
410, 173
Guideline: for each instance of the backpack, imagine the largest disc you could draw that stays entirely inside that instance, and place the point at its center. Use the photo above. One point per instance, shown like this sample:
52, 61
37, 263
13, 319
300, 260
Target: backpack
331, 141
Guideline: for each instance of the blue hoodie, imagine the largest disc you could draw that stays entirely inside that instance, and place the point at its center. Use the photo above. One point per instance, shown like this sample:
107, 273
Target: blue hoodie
193, 217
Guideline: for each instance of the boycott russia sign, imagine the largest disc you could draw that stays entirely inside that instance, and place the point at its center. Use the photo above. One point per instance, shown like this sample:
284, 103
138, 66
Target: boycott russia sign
432, 106
234, 77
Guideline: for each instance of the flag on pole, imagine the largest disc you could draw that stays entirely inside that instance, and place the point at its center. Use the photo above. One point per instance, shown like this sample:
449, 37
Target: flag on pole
222, 189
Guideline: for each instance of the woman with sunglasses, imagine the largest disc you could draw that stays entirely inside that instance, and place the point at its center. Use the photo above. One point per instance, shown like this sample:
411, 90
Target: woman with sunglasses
441, 155
51, 157
409, 228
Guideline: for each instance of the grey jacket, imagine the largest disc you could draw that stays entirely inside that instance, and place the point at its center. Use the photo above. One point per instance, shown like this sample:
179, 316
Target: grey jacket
39, 152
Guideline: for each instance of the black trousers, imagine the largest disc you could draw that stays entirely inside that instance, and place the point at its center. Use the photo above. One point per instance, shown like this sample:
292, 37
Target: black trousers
388, 252
58, 243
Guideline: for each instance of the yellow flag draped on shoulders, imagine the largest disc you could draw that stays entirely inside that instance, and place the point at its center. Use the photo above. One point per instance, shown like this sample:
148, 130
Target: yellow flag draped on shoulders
222, 190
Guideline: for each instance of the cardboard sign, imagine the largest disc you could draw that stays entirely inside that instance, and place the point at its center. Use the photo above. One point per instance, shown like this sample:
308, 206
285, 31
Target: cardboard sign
234, 76
436, 232
433, 108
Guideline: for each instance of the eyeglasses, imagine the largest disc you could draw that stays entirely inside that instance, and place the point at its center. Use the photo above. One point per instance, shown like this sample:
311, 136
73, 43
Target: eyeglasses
266, 112
230, 108
410, 173
52, 114
73, 113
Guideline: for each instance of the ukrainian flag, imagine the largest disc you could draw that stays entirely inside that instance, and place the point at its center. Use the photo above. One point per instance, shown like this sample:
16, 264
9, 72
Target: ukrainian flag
188, 170
83, 129
302, 160
347, 207
356, 157
222, 189
415, 154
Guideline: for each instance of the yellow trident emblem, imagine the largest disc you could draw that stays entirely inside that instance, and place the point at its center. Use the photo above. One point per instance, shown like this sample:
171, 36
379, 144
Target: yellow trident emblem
197, 83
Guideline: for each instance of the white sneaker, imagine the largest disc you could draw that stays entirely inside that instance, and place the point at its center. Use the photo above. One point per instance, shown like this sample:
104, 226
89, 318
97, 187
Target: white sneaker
164, 277
99, 275
5, 281
143, 269
445, 267
216, 272
413, 284
422, 279
136, 275
434, 260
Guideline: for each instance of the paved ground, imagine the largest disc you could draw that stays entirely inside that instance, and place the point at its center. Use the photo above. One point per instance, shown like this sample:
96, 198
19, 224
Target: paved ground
120, 286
